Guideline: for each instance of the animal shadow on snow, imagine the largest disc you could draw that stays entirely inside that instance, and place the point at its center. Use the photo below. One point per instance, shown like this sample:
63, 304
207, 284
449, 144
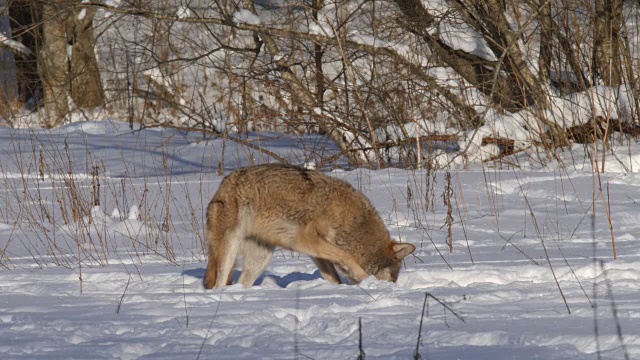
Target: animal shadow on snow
281, 281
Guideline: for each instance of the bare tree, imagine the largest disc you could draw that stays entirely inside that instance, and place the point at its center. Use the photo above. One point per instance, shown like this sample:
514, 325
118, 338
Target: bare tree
357, 71
61, 61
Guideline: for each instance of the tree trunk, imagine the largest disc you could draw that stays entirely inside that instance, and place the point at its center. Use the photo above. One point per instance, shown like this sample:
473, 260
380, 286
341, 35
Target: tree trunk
24, 14
474, 69
606, 49
86, 86
488, 18
546, 37
8, 84
514, 87
54, 70
68, 65
318, 54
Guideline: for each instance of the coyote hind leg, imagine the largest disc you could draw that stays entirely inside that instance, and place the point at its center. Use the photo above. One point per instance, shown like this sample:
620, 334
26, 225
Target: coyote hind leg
224, 234
225, 258
256, 258
211, 272
219, 267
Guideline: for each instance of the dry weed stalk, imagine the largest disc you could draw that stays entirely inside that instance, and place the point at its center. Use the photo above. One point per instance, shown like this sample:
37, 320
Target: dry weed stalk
446, 196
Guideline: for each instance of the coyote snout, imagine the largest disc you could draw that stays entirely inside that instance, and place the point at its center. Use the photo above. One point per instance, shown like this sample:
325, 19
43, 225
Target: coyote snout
259, 208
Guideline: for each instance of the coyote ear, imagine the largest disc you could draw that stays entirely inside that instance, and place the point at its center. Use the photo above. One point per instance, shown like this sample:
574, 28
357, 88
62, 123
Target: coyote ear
402, 249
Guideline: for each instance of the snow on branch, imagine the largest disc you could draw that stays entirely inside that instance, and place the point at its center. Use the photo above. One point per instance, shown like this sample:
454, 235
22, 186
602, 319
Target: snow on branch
15, 46
245, 16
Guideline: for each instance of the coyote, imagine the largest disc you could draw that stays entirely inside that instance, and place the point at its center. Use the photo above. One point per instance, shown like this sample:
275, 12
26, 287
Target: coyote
259, 208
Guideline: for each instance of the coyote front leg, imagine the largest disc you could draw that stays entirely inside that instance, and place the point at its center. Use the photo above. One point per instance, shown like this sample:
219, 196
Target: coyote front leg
327, 270
312, 242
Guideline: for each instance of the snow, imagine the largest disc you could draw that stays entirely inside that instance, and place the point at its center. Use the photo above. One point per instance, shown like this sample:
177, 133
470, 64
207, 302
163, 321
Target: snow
598, 101
369, 40
69, 49
82, 14
247, 17
318, 29
124, 280
460, 36
183, 12
112, 3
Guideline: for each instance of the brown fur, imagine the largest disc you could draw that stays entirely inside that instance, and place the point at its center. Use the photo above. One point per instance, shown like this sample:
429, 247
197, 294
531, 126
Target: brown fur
259, 208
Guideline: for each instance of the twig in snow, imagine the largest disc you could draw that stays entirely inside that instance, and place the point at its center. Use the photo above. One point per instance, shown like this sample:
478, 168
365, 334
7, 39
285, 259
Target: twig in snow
596, 331
122, 297
361, 354
184, 296
614, 312
416, 353
208, 330
544, 247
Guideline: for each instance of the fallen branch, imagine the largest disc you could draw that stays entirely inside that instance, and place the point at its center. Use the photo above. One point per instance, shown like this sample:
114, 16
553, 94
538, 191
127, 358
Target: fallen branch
579, 134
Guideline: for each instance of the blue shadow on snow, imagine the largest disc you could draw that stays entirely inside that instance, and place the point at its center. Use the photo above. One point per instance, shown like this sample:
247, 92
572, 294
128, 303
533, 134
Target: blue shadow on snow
282, 281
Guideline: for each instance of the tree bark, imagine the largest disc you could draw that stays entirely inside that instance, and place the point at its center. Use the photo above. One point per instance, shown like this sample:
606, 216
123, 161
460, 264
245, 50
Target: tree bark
606, 49
488, 18
53, 65
86, 86
318, 54
546, 37
572, 55
68, 66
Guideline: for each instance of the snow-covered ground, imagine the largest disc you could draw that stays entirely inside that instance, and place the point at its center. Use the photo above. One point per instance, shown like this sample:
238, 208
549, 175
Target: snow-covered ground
120, 276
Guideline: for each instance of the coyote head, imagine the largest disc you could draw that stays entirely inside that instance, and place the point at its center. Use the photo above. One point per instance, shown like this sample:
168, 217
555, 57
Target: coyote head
386, 265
